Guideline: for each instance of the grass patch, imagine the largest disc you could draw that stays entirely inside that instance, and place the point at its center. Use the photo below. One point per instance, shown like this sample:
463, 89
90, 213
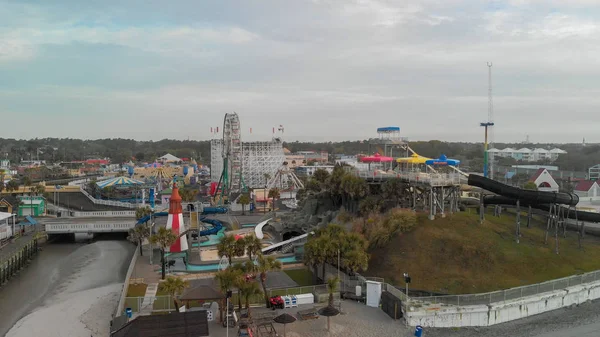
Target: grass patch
137, 290
303, 277
456, 255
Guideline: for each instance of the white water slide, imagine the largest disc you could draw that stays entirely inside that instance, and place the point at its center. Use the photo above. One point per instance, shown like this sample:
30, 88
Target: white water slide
283, 243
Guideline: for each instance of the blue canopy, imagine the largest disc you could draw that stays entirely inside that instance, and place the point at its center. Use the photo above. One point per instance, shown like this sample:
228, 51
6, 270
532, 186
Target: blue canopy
443, 161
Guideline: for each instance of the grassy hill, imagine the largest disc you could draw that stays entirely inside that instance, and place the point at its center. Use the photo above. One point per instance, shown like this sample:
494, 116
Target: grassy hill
456, 254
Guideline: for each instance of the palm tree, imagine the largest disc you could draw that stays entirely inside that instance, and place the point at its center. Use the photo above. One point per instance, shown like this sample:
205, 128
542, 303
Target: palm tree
253, 246
141, 212
354, 252
244, 200
138, 234
274, 194
228, 247
332, 286
227, 280
174, 286
315, 253
164, 238
265, 265
248, 290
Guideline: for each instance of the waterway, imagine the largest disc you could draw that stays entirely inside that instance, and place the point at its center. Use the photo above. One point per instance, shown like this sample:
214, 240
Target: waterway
63, 283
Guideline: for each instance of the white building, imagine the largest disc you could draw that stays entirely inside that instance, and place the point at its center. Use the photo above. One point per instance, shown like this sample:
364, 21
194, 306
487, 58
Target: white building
352, 161
525, 154
310, 170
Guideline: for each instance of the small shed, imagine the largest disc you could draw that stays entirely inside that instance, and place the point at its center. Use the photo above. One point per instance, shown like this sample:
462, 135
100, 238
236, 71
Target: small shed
177, 324
32, 205
544, 181
587, 189
200, 294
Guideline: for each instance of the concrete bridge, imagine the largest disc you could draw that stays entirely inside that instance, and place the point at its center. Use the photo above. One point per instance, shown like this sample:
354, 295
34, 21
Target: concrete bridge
88, 226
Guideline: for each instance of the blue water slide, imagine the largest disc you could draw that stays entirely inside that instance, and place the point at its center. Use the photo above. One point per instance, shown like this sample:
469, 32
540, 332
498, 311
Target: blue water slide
147, 217
214, 210
216, 227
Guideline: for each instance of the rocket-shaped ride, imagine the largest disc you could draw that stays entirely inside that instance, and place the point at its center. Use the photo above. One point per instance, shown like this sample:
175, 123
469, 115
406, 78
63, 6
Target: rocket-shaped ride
175, 222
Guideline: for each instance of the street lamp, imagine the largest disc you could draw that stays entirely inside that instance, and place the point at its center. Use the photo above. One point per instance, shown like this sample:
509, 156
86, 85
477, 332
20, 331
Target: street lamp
406, 281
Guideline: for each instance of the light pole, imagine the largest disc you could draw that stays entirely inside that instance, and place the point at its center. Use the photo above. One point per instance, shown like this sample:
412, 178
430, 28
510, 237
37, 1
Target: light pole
406, 281
485, 147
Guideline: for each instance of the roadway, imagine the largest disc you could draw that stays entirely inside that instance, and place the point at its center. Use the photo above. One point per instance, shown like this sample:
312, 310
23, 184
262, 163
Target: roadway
65, 220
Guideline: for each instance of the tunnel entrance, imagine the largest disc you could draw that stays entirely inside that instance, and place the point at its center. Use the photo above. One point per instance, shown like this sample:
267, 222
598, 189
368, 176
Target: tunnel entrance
289, 235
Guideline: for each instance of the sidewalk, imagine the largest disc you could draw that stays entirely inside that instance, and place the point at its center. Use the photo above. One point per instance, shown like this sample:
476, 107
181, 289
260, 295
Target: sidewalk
10, 248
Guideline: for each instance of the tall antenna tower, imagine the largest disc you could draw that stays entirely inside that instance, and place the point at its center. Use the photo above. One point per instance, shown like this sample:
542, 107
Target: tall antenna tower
490, 117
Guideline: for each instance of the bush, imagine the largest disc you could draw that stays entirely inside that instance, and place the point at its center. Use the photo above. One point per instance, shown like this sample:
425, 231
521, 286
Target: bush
380, 229
344, 216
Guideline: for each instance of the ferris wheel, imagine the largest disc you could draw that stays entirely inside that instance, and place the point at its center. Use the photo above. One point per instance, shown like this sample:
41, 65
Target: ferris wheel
232, 155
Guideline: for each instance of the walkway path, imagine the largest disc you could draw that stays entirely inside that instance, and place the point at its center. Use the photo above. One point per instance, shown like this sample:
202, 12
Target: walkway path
10, 248
148, 302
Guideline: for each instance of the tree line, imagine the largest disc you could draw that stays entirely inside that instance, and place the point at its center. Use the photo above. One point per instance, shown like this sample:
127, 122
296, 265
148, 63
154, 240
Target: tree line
120, 150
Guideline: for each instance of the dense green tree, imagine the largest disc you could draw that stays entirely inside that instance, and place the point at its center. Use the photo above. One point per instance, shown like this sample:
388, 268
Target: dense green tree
164, 238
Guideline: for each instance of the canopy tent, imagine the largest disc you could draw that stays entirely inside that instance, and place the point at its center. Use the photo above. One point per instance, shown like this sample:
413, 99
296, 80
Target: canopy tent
119, 181
376, 158
443, 161
413, 159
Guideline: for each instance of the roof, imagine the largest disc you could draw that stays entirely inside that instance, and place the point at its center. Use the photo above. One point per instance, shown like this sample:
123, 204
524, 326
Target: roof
557, 150
201, 292
13, 201
584, 185
494, 150
540, 150
537, 174
169, 157
177, 324
508, 149
524, 150
389, 129
4, 216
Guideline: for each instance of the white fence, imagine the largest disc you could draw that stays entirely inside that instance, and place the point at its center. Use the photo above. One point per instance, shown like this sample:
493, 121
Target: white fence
121, 305
80, 182
108, 202
104, 214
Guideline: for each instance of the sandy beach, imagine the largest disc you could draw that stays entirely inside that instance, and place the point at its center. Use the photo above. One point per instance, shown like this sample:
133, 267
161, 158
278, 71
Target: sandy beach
85, 313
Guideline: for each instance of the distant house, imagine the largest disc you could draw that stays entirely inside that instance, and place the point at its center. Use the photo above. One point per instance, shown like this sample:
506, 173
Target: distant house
178, 324
587, 189
9, 204
544, 181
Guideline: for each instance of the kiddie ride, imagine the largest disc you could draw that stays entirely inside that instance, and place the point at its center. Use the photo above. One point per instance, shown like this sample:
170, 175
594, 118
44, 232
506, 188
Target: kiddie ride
276, 302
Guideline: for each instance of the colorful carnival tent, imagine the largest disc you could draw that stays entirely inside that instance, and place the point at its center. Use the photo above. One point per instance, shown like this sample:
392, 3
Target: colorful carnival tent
443, 161
376, 158
119, 182
413, 159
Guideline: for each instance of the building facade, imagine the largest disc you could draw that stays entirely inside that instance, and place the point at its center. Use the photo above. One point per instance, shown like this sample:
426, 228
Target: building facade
32, 205
526, 154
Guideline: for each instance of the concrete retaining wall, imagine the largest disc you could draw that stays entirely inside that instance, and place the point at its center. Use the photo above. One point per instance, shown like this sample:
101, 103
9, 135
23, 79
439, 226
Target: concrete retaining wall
121, 305
445, 316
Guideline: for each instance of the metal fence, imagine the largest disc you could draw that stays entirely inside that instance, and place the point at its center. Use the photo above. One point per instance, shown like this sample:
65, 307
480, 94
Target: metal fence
147, 305
512, 293
433, 179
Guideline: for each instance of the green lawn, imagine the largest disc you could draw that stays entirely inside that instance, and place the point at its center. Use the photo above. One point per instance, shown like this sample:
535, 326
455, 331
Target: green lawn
137, 290
303, 277
457, 254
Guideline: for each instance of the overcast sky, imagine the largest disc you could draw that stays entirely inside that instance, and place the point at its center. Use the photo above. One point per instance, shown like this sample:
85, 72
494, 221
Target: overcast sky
325, 70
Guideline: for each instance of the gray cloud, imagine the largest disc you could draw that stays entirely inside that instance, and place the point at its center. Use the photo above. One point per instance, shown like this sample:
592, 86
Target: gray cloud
324, 69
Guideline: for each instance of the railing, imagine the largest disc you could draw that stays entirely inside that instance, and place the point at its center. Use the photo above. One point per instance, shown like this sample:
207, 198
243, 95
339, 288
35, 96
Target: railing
513, 293
89, 228
104, 214
79, 182
433, 179
146, 305
107, 202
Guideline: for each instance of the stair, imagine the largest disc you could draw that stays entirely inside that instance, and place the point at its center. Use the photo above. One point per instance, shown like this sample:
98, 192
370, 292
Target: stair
287, 248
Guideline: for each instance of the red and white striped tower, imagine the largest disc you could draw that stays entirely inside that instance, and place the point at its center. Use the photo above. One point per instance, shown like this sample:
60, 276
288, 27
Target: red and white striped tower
175, 222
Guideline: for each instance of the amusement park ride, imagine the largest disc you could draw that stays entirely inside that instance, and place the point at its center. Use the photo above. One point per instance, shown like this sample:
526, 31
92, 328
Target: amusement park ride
231, 180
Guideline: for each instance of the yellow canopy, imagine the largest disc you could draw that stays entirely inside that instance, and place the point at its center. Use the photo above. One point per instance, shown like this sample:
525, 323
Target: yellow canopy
413, 159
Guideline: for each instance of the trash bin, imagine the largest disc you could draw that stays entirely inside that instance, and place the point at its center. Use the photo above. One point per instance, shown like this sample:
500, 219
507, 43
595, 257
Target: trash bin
418, 331
129, 313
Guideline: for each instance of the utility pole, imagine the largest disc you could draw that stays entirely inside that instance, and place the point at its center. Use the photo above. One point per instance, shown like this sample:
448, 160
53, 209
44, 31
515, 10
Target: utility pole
490, 118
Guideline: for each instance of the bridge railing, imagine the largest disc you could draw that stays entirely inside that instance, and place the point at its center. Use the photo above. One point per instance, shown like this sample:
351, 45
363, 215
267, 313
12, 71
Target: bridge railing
104, 214
107, 202
58, 228
434, 179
